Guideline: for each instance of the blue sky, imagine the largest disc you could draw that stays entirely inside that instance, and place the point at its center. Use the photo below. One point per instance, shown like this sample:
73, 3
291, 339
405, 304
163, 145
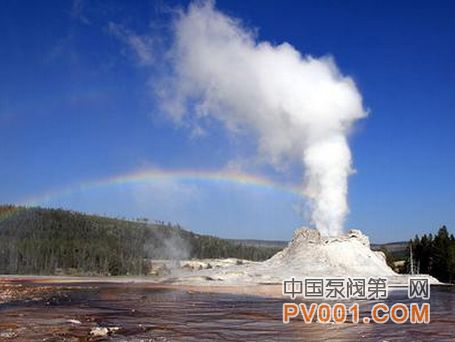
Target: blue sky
76, 106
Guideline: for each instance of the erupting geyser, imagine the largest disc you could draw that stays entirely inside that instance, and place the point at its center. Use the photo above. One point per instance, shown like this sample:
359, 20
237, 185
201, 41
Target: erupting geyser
297, 106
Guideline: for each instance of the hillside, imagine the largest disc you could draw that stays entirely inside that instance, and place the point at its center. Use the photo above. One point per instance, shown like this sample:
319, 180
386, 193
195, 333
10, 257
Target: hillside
49, 241
398, 250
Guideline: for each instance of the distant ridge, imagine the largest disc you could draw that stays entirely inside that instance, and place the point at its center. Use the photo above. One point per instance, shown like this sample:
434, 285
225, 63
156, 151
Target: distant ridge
397, 249
260, 243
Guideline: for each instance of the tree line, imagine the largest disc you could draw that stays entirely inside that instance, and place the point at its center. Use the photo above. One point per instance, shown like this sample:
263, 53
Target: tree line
434, 255
50, 241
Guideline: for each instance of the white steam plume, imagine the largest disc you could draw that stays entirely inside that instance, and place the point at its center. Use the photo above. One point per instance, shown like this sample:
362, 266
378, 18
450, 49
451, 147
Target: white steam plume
299, 107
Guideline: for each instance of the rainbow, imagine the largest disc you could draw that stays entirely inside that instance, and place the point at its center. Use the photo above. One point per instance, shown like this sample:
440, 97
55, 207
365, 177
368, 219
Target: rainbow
157, 175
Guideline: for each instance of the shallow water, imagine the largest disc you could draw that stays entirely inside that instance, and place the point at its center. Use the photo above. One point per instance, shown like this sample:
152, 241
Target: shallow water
144, 312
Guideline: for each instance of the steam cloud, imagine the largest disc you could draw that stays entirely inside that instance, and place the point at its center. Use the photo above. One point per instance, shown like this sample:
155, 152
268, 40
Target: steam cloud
298, 107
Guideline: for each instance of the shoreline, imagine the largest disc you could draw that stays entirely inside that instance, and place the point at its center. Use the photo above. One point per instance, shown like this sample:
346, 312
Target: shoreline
256, 290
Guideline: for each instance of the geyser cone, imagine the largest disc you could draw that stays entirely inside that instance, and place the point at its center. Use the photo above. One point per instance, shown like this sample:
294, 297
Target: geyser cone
311, 254
308, 254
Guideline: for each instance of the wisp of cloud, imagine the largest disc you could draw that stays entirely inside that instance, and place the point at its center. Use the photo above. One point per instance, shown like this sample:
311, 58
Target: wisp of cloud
297, 106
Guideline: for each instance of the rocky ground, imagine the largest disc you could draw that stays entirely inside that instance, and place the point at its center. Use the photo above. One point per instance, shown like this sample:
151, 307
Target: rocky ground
126, 309
11, 291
